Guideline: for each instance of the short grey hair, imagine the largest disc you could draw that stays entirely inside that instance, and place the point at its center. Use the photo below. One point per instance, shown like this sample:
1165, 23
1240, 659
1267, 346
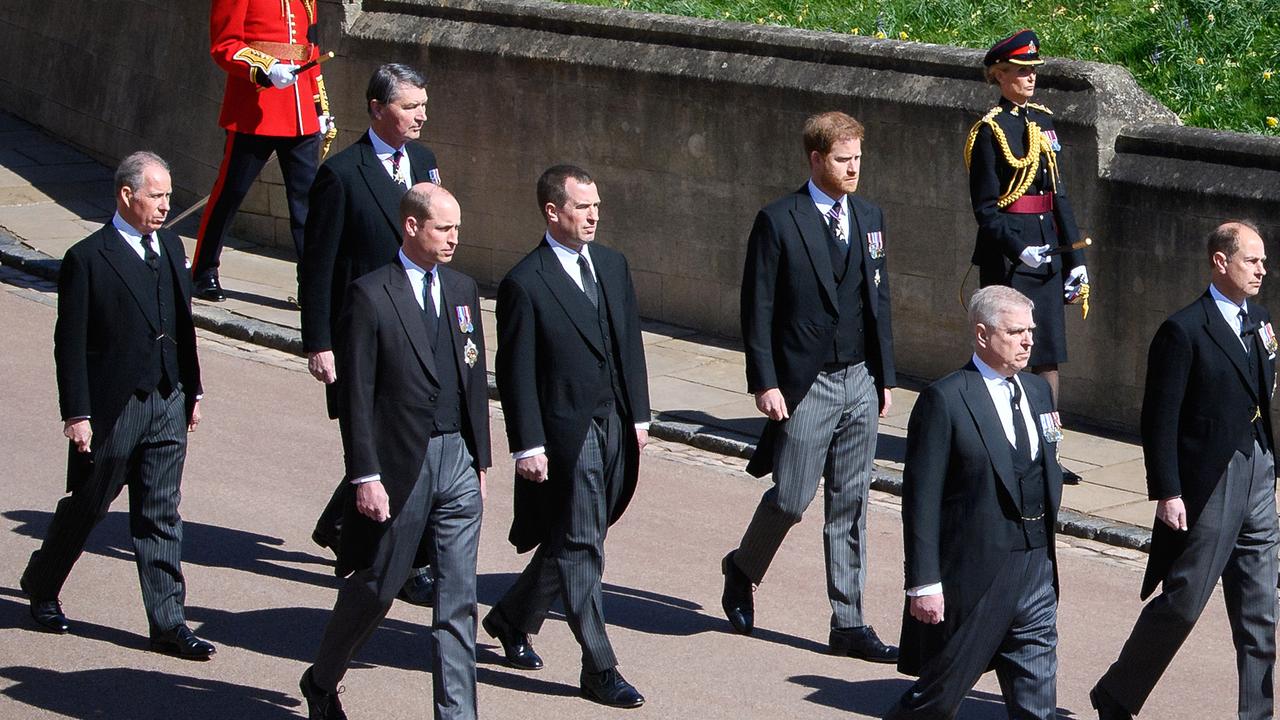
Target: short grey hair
132, 170
988, 303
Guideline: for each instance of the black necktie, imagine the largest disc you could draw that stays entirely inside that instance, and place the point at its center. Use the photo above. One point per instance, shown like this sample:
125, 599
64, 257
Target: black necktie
1022, 443
149, 253
588, 281
429, 308
1245, 329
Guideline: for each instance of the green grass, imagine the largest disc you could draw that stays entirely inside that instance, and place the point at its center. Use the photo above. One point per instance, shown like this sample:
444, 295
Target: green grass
1216, 63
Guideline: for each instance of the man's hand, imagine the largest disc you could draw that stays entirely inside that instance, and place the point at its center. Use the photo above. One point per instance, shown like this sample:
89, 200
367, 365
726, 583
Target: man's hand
928, 609
484, 489
79, 433
771, 403
195, 417
321, 366
642, 438
372, 501
533, 468
1033, 256
1172, 512
888, 403
281, 74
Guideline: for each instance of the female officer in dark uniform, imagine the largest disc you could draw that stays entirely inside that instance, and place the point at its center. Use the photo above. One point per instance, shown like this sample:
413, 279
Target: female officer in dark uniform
1020, 203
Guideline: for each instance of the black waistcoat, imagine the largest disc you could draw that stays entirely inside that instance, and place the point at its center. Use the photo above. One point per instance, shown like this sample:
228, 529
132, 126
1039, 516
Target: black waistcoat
849, 345
449, 401
162, 366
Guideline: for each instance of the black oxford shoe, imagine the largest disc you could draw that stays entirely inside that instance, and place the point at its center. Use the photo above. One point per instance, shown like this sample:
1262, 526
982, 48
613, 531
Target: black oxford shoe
183, 643
46, 612
737, 601
862, 643
610, 688
210, 290
515, 644
321, 705
1108, 708
419, 589
1069, 477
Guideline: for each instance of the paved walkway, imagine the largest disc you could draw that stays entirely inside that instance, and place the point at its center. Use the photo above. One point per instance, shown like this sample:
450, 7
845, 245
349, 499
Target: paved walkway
52, 195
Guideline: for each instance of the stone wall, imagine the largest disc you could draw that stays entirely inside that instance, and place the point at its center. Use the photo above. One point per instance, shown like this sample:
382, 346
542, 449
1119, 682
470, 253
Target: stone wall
689, 126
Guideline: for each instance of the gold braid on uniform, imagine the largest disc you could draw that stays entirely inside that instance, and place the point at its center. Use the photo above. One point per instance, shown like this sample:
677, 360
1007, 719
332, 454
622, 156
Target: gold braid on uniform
1025, 167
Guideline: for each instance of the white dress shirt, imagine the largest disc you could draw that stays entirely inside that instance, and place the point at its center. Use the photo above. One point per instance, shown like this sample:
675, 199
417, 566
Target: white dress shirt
417, 276
568, 258
133, 238
1001, 391
1230, 312
824, 203
384, 153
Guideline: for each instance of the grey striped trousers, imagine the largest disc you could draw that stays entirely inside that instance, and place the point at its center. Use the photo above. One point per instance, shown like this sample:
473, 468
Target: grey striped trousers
570, 565
831, 434
145, 450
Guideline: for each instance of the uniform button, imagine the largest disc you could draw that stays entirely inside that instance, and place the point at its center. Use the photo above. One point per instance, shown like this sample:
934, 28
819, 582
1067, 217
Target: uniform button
433, 397
1041, 217
600, 364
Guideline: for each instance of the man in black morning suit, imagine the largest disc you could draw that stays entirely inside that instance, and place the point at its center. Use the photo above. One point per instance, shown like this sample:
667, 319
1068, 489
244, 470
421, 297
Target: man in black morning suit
819, 352
354, 228
980, 495
1208, 447
129, 389
571, 375
415, 435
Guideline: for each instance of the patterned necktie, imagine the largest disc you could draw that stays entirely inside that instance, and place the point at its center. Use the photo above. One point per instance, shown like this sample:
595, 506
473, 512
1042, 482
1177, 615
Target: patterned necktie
1022, 443
833, 222
588, 281
396, 175
149, 253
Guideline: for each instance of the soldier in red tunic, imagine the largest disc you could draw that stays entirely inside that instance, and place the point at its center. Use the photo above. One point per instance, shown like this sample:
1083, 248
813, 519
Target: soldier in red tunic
268, 106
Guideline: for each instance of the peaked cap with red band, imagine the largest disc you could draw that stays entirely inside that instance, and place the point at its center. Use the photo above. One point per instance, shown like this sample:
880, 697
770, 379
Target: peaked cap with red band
1020, 48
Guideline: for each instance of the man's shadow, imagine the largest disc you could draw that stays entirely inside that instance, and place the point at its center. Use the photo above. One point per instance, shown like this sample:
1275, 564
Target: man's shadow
874, 698
142, 695
202, 544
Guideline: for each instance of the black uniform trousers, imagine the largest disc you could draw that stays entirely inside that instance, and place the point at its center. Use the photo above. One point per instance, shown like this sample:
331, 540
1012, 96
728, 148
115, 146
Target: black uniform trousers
242, 161
570, 564
145, 451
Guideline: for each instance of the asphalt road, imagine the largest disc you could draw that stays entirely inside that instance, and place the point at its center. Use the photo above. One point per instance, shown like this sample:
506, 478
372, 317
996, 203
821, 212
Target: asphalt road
262, 465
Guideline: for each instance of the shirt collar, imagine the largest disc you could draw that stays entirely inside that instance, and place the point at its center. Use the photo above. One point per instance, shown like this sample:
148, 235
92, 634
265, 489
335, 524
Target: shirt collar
416, 273
128, 231
380, 147
1229, 309
823, 200
564, 251
987, 372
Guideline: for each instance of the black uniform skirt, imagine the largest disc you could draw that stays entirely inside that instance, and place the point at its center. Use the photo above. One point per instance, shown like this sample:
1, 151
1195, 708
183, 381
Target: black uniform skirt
1044, 286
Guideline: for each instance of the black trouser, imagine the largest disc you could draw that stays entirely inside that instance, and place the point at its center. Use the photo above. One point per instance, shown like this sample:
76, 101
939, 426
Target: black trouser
242, 160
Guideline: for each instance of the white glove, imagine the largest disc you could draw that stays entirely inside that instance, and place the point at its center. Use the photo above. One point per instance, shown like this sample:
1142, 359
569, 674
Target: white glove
1077, 277
281, 74
327, 123
1033, 256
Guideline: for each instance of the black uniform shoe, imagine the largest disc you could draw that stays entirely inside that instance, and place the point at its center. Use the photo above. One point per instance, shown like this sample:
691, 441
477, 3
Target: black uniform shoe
183, 643
46, 612
515, 644
419, 589
610, 688
1069, 477
321, 705
862, 643
209, 289
737, 601
1108, 708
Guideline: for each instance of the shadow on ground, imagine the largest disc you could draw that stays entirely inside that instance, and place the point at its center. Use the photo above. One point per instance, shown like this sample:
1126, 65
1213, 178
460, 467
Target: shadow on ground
873, 698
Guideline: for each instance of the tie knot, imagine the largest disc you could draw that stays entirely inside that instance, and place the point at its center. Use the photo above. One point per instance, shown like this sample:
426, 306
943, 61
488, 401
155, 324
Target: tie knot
836, 210
395, 156
582, 263
1017, 390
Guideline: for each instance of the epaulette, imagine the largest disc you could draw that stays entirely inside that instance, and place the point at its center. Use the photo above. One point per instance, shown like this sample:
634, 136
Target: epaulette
1040, 107
988, 119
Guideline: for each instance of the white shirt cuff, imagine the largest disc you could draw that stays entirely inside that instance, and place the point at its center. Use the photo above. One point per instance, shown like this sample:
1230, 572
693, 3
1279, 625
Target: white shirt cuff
924, 590
642, 426
529, 453
376, 477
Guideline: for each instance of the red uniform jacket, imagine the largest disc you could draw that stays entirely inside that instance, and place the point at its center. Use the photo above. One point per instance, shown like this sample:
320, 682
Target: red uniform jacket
245, 37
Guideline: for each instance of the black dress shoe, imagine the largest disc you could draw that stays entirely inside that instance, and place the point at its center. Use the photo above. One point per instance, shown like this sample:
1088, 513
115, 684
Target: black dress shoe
737, 601
321, 705
209, 289
46, 612
1069, 477
861, 643
419, 589
610, 688
325, 540
1108, 708
183, 643
515, 644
